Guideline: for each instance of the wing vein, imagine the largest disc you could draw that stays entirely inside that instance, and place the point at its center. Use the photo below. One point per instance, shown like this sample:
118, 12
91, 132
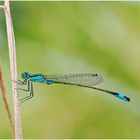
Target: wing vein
82, 79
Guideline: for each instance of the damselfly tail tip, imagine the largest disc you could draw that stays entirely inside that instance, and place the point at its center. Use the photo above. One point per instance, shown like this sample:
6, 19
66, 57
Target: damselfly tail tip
127, 99
121, 96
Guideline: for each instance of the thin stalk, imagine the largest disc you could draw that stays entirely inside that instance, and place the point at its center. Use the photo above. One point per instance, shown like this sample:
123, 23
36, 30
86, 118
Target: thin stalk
5, 99
13, 67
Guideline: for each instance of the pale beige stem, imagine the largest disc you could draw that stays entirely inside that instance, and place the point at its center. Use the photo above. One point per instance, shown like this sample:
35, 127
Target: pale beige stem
13, 67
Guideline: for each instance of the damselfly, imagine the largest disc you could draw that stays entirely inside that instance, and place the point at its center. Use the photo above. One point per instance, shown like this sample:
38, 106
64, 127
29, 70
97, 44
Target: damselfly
88, 80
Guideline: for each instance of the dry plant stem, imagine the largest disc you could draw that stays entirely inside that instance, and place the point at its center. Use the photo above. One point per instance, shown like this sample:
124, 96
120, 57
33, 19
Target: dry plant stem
13, 67
4, 95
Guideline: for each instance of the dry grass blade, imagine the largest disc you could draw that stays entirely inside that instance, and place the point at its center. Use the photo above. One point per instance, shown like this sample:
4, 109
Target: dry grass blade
4, 95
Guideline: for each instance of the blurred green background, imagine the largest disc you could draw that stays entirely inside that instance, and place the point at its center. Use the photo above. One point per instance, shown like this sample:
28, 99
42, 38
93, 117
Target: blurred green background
69, 37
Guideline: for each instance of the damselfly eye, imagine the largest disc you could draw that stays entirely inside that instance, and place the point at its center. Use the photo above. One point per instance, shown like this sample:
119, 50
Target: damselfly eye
25, 75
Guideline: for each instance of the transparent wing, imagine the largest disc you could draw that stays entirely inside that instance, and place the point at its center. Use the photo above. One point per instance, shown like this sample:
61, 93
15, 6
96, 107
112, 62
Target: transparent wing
80, 79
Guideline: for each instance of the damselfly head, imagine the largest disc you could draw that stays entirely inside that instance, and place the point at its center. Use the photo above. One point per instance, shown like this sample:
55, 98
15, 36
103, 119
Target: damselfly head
25, 75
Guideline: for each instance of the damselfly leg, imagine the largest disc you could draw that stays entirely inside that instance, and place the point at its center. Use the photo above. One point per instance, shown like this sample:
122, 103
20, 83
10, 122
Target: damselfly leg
29, 89
24, 82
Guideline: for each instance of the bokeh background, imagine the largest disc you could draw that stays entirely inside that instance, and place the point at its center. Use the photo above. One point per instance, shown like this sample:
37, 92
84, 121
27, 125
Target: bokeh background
70, 37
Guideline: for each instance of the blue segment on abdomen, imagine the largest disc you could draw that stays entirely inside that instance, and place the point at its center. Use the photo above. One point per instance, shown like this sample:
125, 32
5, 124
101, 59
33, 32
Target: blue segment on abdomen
121, 96
40, 78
